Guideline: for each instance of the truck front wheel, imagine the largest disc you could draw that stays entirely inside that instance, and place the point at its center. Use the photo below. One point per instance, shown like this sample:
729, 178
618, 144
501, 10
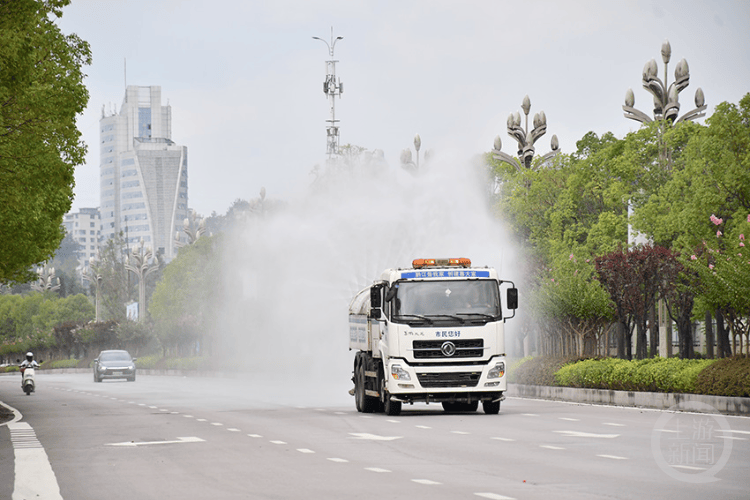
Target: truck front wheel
491, 407
392, 408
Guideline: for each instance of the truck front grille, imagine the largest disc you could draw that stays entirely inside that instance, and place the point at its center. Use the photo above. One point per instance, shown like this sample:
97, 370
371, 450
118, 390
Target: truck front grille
431, 349
458, 379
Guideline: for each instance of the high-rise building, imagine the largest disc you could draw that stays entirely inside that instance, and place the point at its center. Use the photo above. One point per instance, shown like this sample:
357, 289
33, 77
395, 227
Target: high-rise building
143, 173
84, 227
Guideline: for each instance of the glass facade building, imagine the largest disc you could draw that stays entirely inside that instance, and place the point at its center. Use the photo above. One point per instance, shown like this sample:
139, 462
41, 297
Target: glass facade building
143, 173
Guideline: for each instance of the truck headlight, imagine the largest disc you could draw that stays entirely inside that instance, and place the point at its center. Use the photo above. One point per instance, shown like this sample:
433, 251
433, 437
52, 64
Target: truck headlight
497, 371
399, 373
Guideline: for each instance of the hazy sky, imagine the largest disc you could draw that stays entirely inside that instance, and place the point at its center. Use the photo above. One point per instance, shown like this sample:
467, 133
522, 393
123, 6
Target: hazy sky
244, 78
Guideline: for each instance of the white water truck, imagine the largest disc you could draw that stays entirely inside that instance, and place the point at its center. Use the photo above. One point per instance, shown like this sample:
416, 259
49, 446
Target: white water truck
432, 333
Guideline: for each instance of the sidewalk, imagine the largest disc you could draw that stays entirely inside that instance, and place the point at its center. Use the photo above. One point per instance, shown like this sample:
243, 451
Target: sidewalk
654, 400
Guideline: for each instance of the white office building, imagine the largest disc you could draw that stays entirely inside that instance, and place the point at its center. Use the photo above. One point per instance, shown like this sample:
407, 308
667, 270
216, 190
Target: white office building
84, 227
143, 173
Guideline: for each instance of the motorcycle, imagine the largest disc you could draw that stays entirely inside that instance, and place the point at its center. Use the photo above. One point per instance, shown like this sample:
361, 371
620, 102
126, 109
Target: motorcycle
27, 381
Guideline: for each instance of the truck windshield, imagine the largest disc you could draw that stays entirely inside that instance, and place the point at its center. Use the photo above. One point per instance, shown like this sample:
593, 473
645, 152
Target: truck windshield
452, 298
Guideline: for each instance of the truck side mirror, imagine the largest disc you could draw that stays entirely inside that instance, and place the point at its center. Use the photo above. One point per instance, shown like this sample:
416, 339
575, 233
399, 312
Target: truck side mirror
376, 301
512, 298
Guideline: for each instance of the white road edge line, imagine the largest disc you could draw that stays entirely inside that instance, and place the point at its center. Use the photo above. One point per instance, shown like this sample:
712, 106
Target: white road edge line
493, 496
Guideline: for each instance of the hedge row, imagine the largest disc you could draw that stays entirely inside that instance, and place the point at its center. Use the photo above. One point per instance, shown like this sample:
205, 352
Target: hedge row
725, 377
537, 371
649, 375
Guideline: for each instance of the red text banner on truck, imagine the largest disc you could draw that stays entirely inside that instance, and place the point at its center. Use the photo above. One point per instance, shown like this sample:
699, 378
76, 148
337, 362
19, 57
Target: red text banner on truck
432, 333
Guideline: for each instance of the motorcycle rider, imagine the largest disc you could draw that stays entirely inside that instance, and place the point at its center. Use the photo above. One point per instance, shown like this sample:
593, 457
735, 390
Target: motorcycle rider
28, 362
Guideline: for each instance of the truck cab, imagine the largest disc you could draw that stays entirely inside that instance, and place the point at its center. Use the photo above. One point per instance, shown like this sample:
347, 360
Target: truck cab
432, 333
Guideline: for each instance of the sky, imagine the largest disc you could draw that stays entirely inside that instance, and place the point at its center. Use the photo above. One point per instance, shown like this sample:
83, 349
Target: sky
244, 77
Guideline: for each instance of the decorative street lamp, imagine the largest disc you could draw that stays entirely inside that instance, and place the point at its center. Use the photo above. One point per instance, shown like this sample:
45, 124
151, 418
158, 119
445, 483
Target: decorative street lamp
666, 97
666, 111
525, 137
332, 87
407, 163
139, 263
46, 280
193, 228
93, 275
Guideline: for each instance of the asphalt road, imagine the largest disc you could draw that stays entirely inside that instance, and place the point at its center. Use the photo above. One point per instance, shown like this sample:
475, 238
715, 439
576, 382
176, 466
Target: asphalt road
238, 438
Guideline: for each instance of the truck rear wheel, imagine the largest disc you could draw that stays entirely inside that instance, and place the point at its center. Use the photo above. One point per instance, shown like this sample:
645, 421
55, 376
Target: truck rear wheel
364, 403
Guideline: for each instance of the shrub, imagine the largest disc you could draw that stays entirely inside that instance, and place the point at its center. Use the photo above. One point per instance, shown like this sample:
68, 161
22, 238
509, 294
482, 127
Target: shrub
540, 370
652, 375
195, 363
513, 367
147, 362
63, 363
726, 377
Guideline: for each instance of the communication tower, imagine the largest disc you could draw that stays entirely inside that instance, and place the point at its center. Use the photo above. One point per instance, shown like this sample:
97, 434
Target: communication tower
332, 87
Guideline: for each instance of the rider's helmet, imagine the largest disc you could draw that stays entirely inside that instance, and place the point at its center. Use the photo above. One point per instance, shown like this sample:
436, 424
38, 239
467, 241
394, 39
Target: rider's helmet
29, 356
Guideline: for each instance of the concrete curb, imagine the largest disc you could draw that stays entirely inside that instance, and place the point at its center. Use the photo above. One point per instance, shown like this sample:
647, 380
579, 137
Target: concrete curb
654, 400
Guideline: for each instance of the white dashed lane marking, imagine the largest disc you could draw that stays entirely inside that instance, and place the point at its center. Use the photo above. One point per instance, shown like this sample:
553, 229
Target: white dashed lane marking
493, 496
376, 469
587, 434
550, 447
304, 450
339, 460
688, 467
613, 457
425, 481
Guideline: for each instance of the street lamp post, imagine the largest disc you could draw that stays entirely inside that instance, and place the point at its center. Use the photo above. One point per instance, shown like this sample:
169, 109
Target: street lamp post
666, 97
93, 275
332, 87
193, 228
666, 111
525, 137
407, 161
139, 263
46, 280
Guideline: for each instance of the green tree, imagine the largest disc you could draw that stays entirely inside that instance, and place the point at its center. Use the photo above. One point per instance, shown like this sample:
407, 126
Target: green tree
187, 297
702, 208
41, 93
576, 307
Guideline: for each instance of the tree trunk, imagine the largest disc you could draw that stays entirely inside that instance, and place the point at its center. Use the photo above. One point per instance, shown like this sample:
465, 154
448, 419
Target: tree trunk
722, 335
709, 336
641, 341
621, 339
654, 329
